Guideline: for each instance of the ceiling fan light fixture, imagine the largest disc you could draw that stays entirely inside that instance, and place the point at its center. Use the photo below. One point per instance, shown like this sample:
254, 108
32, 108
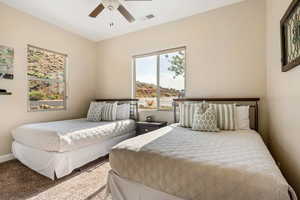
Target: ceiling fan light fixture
111, 4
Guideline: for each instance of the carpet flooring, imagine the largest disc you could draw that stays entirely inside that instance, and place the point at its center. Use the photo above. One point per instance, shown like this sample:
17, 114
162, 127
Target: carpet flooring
17, 182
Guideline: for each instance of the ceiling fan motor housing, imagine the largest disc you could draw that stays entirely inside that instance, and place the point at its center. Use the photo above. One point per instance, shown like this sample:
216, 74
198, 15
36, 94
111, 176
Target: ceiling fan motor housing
111, 4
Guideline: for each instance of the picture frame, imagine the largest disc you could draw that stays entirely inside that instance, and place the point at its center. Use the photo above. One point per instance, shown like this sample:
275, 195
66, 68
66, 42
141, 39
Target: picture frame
290, 37
6, 62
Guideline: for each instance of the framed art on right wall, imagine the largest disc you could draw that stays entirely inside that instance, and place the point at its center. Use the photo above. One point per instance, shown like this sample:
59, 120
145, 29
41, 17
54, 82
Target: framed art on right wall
290, 37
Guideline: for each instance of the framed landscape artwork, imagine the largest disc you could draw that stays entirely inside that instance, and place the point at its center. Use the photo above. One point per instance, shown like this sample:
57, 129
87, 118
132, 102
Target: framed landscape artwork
290, 37
6, 62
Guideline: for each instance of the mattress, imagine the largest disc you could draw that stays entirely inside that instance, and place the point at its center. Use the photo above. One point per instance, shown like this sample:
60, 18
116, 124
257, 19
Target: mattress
202, 166
69, 135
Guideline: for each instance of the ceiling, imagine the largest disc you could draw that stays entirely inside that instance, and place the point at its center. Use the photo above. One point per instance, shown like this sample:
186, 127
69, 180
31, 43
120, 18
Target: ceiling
72, 15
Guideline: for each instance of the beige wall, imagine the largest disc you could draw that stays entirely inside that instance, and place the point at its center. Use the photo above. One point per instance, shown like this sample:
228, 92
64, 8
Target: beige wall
225, 54
225, 58
18, 30
283, 98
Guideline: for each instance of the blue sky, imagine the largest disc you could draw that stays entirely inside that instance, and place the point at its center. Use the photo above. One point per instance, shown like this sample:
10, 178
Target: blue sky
146, 72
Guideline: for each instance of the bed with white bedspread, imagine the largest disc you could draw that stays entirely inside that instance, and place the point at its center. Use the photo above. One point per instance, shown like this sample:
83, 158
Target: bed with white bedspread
55, 149
230, 165
179, 163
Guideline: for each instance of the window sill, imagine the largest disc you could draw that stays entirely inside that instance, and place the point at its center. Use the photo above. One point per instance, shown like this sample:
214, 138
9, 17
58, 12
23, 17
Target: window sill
154, 110
48, 110
5, 93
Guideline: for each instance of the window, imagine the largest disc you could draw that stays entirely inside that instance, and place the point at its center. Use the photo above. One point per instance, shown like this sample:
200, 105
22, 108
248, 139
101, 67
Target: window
46, 79
159, 78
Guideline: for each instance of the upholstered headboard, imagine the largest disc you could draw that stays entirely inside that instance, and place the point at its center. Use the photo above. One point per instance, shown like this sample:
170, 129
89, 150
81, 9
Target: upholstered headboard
134, 113
252, 102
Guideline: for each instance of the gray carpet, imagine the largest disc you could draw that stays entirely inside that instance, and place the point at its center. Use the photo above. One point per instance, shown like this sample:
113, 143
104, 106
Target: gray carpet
17, 182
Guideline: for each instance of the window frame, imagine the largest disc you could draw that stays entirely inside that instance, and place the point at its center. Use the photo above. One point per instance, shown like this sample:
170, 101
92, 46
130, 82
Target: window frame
65, 82
157, 54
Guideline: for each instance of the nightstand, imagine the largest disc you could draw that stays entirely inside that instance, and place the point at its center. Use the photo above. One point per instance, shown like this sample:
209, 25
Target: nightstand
146, 127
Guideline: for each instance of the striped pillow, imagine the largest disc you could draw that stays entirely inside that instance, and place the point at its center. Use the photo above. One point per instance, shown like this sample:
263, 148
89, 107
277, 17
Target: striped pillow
186, 114
226, 116
109, 112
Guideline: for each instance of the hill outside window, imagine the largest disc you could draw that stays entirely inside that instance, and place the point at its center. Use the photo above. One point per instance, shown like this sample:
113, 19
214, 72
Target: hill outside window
159, 77
46, 79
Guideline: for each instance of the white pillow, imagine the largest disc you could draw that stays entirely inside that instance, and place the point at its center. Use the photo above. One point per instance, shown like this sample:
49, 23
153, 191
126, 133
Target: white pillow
123, 112
243, 120
94, 113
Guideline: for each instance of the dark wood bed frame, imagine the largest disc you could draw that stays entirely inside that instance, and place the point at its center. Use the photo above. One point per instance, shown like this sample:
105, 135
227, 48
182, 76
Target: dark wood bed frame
252, 102
134, 112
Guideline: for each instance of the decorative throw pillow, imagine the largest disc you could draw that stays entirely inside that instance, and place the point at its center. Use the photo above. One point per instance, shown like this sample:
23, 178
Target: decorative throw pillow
205, 121
186, 114
123, 111
226, 116
94, 113
109, 112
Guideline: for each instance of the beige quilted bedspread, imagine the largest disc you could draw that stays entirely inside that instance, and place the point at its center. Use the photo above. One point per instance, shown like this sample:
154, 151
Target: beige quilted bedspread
202, 166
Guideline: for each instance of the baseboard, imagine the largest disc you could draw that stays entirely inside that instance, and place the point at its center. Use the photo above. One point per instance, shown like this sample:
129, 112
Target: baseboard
6, 157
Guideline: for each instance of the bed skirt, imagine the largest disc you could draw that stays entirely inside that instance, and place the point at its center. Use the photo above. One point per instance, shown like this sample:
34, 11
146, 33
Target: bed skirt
123, 189
51, 164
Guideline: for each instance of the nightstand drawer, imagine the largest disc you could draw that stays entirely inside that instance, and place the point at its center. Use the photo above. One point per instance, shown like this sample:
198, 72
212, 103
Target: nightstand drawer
143, 129
146, 127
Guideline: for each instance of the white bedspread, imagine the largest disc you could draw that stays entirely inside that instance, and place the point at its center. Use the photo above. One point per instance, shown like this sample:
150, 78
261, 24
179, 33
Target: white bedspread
63, 136
202, 166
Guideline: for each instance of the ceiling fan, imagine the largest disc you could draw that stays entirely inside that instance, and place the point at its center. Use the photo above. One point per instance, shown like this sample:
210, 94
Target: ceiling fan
114, 5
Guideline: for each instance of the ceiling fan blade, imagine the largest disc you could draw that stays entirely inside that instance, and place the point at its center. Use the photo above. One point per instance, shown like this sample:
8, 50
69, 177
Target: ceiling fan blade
97, 10
126, 13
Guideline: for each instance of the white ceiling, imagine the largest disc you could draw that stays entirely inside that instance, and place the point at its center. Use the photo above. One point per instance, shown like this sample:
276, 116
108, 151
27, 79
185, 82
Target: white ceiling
72, 15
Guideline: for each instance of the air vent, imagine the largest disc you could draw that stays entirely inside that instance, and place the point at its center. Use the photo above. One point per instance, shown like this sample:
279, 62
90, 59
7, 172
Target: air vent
149, 16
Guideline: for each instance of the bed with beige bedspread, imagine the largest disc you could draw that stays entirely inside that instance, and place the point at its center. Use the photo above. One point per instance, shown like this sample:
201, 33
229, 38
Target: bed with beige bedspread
230, 165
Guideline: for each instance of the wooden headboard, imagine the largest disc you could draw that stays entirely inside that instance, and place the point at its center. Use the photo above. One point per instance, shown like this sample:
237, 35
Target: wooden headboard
252, 102
134, 113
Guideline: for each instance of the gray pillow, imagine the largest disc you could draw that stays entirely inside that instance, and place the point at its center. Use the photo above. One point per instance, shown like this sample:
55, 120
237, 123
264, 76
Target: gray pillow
205, 120
94, 113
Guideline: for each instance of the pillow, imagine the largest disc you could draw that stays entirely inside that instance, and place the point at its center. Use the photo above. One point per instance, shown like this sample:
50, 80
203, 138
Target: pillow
123, 111
186, 114
94, 113
226, 116
243, 120
206, 121
109, 112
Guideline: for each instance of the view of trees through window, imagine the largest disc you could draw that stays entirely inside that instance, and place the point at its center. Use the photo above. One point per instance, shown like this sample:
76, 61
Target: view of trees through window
159, 79
46, 76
